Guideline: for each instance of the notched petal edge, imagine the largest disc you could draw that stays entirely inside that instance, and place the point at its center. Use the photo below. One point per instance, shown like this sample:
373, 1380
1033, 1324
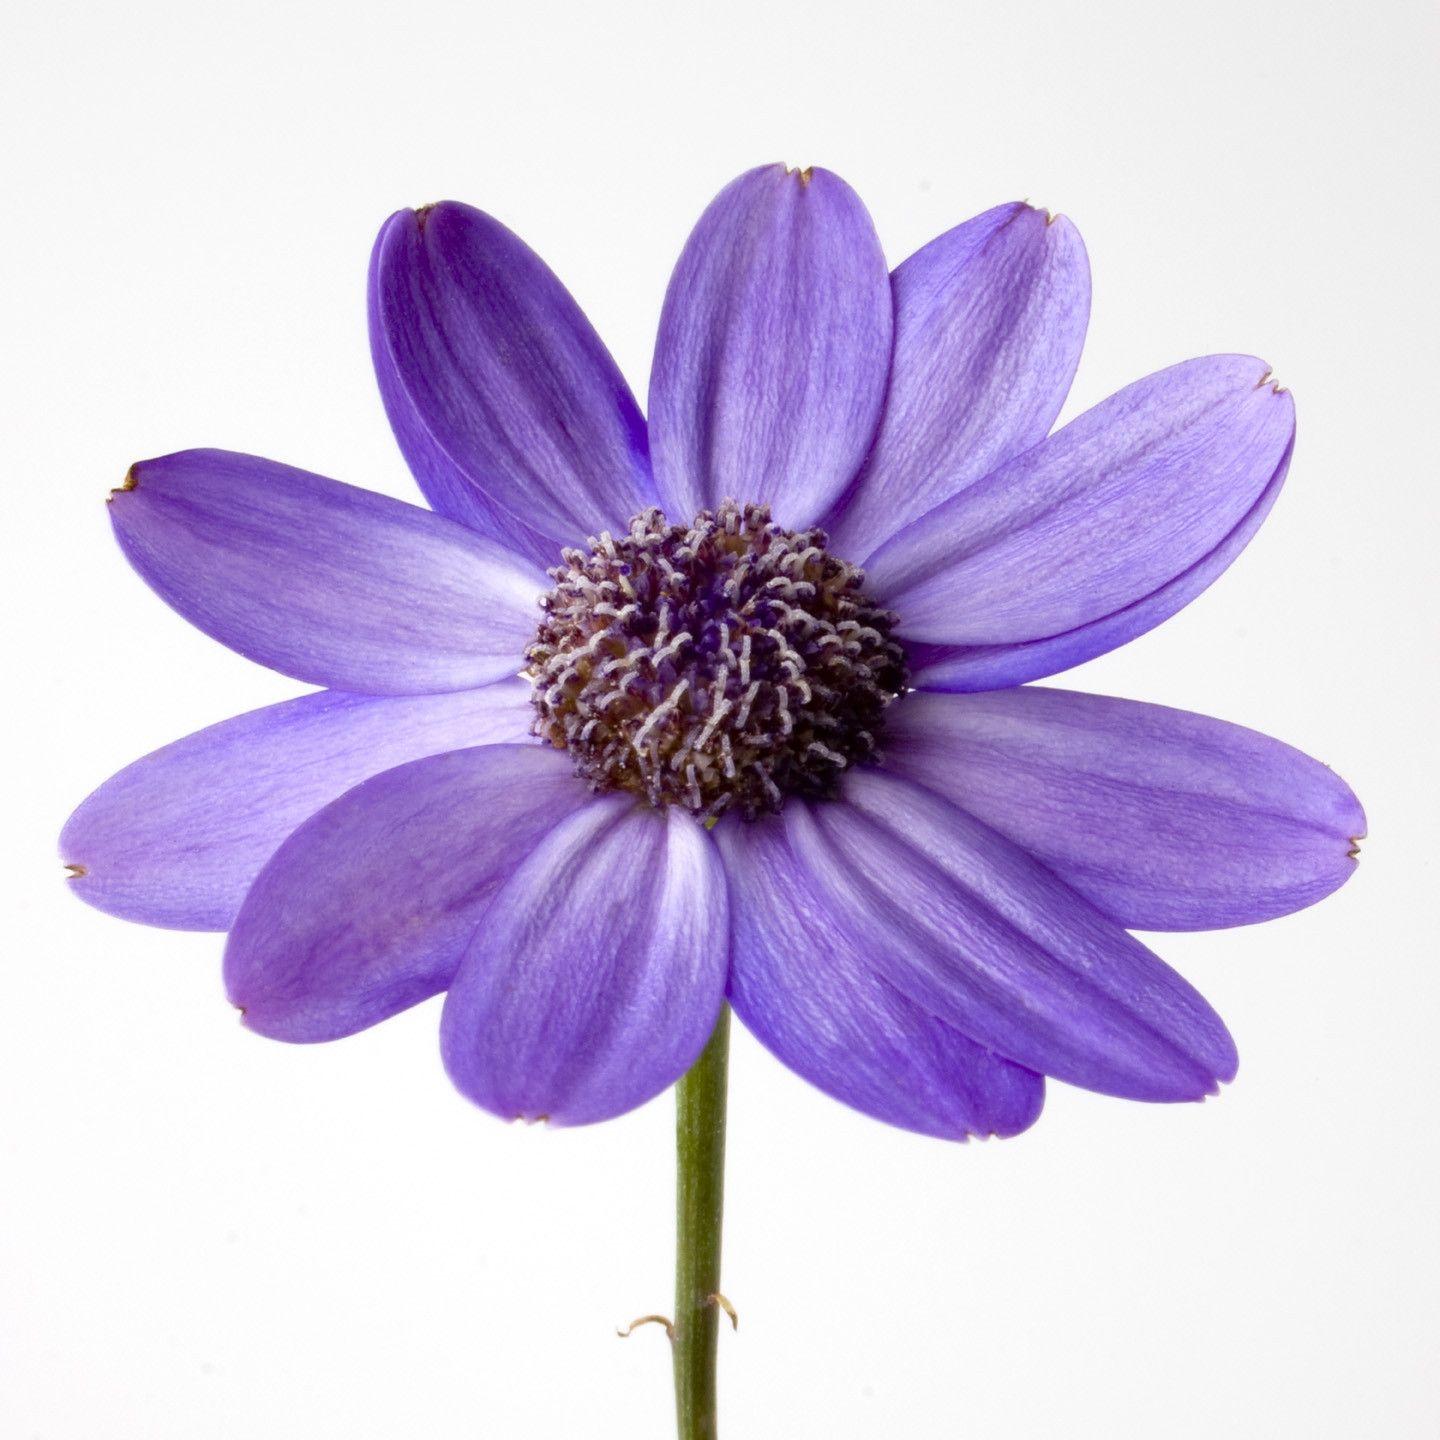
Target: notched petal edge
130, 482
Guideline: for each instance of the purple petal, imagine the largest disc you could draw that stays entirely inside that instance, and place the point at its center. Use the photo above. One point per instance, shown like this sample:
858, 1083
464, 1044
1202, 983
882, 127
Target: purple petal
1162, 819
333, 585
598, 972
978, 933
996, 667
509, 408
176, 839
1108, 511
367, 908
804, 983
773, 349
442, 481
989, 323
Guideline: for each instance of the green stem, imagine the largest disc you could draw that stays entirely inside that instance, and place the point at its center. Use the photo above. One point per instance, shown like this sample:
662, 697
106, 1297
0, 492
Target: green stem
699, 1207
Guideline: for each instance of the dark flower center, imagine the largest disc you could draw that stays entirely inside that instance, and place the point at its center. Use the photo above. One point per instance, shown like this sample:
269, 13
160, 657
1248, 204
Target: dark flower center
720, 666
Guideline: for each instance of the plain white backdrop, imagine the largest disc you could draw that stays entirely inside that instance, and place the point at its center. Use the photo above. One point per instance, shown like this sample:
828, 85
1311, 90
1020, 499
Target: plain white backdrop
205, 1234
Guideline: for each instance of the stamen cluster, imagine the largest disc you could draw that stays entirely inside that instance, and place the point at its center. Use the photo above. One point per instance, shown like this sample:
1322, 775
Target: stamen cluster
720, 666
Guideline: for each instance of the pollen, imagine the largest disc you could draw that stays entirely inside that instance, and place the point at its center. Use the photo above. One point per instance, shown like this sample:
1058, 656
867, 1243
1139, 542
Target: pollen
721, 666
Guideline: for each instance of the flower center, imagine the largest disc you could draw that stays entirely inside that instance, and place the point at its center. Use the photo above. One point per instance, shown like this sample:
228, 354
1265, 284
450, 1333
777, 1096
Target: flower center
720, 666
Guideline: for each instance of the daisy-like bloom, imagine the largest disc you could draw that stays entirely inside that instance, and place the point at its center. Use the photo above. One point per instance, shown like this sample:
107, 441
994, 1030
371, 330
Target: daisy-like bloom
733, 703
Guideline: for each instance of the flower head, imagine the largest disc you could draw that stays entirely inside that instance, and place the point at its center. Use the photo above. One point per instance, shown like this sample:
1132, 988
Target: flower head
732, 702
718, 665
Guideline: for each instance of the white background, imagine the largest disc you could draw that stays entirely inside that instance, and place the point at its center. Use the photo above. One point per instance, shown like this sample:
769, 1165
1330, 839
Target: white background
205, 1234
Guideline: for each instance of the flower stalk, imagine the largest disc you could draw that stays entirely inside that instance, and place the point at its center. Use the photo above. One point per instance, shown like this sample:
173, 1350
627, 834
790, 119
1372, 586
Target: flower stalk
699, 1208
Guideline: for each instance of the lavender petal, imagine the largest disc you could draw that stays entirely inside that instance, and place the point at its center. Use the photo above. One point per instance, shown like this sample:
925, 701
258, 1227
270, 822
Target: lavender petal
513, 415
330, 584
1163, 820
177, 838
442, 481
989, 323
996, 667
597, 974
367, 908
773, 349
1109, 511
978, 933
804, 983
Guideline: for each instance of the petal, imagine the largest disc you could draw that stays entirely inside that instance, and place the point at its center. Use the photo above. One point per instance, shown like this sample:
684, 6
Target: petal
806, 987
598, 973
442, 481
513, 409
773, 349
1163, 820
994, 667
333, 585
367, 908
176, 839
989, 323
1106, 512
981, 935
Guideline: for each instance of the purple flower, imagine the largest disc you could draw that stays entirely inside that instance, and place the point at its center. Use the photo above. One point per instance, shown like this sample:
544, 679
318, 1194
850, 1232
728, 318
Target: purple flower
590, 787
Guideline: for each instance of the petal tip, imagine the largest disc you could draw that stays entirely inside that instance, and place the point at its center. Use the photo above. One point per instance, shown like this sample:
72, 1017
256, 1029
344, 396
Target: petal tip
414, 218
129, 483
269, 1024
1209, 1089
1050, 216
1195, 1080
1025, 1114
1265, 380
436, 211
